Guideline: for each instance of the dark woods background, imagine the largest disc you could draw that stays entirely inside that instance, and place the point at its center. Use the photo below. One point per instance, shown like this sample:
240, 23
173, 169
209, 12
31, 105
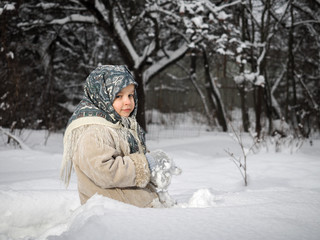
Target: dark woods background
259, 56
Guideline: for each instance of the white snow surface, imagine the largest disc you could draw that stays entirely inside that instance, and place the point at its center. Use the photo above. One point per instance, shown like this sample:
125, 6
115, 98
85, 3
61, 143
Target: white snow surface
282, 200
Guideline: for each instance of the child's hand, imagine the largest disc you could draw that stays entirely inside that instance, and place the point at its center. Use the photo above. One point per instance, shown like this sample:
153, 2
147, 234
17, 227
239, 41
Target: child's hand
162, 169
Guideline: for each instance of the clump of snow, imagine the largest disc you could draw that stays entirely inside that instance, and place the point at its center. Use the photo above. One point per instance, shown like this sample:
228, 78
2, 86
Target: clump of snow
8, 7
197, 21
249, 76
260, 81
46, 6
221, 51
239, 79
281, 125
223, 16
10, 55
201, 199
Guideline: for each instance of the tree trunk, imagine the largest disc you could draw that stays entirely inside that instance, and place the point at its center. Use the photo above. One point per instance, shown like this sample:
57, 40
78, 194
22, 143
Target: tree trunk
258, 108
290, 74
214, 94
244, 108
193, 78
241, 88
141, 100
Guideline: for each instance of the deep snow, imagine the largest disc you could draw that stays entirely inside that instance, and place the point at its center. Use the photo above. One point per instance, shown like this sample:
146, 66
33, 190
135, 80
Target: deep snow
282, 200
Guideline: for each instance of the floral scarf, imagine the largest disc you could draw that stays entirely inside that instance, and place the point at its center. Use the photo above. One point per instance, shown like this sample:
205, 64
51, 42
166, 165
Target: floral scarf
101, 87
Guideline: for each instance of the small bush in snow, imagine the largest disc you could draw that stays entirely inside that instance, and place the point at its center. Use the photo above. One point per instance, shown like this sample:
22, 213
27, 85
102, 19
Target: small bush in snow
241, 161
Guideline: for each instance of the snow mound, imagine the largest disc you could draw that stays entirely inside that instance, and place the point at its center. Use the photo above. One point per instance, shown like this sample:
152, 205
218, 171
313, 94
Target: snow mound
30, 213
201, 199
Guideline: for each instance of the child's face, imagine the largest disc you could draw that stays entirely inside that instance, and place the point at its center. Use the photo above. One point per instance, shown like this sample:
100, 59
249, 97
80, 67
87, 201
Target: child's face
124, 101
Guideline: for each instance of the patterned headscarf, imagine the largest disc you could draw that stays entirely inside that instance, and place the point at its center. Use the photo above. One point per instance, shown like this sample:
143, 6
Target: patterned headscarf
101, 88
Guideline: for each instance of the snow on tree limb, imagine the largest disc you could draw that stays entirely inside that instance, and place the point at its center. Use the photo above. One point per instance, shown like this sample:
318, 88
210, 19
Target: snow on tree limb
100, 7
157, 66
216, 9
274, 101
15, 138
125, 39
306, 22
146, 52
314, 103
260, 59
74, 18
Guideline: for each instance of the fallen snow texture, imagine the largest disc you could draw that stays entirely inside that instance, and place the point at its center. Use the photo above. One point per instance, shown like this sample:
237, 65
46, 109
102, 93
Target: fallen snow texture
282, 200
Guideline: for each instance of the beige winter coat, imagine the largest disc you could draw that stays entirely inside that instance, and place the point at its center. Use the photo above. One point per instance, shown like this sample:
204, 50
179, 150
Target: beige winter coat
103, 164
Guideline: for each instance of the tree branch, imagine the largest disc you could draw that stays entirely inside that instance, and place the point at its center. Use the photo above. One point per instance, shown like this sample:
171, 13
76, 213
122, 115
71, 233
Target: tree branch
16, 139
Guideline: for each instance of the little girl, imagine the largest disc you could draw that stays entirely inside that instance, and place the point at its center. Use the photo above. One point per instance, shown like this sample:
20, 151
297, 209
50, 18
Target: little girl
104, 143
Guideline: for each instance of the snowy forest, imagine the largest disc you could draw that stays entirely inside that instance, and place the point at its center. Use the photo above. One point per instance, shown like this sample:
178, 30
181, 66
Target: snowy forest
263, 53
229, 89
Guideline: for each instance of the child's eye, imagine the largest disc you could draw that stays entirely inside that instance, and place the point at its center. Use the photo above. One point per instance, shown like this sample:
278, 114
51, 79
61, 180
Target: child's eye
131, 95
118, 96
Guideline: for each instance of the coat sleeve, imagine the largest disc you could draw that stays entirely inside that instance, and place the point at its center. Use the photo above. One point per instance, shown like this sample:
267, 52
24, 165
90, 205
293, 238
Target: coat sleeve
97, 157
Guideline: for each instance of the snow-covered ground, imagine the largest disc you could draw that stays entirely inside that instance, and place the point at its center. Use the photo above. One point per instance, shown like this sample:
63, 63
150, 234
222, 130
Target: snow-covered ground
282, 200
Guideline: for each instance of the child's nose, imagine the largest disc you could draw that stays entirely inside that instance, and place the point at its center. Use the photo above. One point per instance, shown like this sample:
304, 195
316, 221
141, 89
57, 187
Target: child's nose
127, 100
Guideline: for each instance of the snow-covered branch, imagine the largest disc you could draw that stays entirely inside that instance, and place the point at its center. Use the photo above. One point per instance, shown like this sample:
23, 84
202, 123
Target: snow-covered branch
126, 41
101, 8
158, 66
275, 27
274, 101
74, 18
16, 139
314, 103
278, 80
260, 59
216, 9
305, 22
253, 18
